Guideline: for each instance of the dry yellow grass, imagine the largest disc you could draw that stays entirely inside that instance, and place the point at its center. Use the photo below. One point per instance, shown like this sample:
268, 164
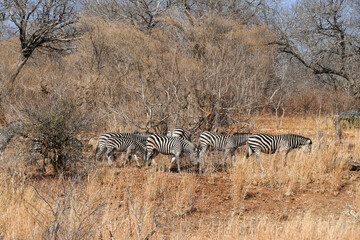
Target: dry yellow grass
314, 197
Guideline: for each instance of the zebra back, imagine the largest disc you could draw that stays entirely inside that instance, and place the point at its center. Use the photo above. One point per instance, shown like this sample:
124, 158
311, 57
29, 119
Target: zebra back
171, 146
240, 139
267, 143
216, 140
162, 144
104, 137
182, 133
140, 137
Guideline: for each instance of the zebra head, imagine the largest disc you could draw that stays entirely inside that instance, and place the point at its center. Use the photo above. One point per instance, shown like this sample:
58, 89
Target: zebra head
194, 154
306, 144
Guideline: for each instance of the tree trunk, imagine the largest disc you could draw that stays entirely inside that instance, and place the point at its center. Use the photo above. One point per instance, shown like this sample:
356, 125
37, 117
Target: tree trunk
18, 70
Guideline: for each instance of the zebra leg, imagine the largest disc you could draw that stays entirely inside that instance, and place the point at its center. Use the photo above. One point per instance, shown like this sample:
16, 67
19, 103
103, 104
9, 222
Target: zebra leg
110, 155
178, 162
201, 156
144, 158
257, 153
148, 158
232, 157
137, 160
129, 153
151, 156
98, 153
286, 153
248, 153
171, 163
227, 151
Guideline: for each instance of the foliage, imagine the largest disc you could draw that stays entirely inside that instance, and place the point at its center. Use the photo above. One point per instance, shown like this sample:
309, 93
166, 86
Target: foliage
54, 127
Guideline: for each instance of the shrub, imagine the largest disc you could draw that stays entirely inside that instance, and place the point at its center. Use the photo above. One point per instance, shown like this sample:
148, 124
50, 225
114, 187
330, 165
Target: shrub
54, 126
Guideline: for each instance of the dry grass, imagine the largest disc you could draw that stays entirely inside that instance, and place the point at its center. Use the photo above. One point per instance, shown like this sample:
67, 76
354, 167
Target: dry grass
314, 197
184, 74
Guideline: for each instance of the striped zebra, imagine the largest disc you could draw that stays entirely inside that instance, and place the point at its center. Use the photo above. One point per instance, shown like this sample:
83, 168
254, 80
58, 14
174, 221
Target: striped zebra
130, 142
175, 146
267, 143
226, 142
122, 144
11, 130
180, 132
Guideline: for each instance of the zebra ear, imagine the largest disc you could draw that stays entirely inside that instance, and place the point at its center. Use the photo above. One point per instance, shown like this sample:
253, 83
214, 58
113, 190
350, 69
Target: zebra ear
309, 141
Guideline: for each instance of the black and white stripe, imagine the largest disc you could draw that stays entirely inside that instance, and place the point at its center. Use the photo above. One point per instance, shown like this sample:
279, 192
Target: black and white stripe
122, 144
226, 142
180, 132
130, 142
175, 146
101, 145
267, 143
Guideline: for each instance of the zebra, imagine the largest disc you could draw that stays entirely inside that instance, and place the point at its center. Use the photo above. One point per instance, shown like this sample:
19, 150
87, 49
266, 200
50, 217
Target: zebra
180, 132
102, 141
175, 146
267, 143
226, 142
14, 128
132, 142
122, 144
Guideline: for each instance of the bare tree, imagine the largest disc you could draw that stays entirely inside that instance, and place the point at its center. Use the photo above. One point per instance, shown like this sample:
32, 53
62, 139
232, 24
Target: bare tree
42, 25
3, 14
146, 14
324, 35
143, 14
244, 10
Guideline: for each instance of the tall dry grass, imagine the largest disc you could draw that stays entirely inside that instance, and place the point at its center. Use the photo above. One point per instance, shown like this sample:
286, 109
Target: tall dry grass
131, 203
265, 227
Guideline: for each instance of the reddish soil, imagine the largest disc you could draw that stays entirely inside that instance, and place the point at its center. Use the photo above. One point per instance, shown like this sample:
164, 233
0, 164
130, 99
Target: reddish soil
215, 199
214, 203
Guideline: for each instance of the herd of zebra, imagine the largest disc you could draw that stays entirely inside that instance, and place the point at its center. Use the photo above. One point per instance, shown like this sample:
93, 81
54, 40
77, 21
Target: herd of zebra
178, 142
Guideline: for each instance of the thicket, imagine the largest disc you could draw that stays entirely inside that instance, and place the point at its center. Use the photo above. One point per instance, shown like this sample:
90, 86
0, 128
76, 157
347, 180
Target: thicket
199, 70
54, 126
